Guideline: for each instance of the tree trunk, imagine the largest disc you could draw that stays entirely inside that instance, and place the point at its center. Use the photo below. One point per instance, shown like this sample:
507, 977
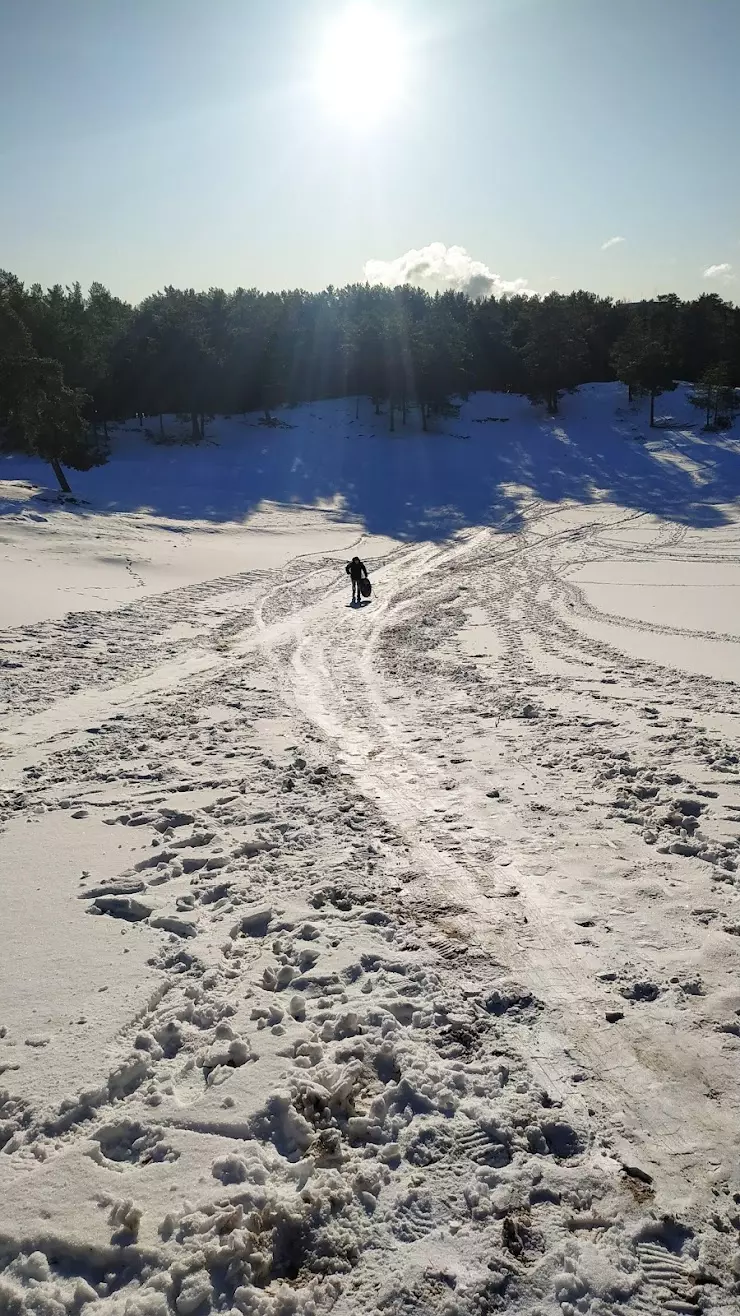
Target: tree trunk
161, 425
652, 408
105, 430
202, 425
357, 408
141, 420
629, 392
377, 406
709, 407
392, 416
423, 417
404, 409
61, 477
268, 417
194, 431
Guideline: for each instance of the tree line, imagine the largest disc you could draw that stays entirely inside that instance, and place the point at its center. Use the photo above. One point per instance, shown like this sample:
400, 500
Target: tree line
71, 363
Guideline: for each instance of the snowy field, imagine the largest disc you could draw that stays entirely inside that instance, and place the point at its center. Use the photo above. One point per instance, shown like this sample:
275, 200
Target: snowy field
379, 960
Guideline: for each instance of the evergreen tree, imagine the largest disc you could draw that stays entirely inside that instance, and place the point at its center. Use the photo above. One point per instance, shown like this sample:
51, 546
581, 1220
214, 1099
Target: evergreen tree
710, 332
45, 416
371, 357
106, 321
554, 352
641, 362
439, 358
714, 394
626, 357
38, 411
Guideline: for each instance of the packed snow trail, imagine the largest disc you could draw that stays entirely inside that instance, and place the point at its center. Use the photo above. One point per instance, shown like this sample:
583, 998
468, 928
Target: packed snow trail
643, 1087
434, 911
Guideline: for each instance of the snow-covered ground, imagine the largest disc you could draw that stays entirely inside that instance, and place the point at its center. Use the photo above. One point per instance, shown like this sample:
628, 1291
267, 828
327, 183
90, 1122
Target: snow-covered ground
379, 960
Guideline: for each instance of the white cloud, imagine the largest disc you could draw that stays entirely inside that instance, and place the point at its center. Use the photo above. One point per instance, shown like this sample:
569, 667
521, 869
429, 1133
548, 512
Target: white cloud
723, 271
611, 242
438, 268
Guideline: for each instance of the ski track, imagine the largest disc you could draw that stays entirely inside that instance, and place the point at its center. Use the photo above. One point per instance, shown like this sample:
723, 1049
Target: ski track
446, 930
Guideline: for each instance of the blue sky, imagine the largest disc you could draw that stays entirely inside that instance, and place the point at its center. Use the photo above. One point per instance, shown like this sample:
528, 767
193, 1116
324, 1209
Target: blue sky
146, 142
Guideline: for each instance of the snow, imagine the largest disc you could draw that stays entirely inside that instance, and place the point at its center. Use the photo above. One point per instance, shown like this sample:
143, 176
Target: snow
378, 959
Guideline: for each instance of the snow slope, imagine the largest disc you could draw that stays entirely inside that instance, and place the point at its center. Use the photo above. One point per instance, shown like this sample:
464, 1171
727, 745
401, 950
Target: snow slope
383, 959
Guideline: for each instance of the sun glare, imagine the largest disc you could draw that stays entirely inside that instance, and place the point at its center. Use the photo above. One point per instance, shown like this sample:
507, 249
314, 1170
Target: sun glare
360, 69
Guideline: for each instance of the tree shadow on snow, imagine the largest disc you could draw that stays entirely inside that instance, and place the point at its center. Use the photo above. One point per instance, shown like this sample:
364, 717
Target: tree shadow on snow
416, 486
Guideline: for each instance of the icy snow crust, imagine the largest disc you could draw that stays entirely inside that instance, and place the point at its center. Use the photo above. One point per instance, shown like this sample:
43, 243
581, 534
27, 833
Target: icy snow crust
379, 960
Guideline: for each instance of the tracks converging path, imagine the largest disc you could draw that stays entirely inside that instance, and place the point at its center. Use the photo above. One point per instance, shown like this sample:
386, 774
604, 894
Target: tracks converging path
356, 682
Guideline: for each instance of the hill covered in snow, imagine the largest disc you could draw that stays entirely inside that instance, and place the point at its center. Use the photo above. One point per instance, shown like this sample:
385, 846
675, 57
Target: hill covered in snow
470, 470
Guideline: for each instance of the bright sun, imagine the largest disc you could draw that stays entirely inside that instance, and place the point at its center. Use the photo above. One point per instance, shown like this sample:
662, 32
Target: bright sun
359, 74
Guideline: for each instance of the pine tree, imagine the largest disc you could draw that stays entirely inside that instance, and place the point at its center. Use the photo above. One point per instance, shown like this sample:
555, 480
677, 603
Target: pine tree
554, 352
38, 410
371, 357
45, 416
106, 321
714, 394
641, 362
439, 361
626, 356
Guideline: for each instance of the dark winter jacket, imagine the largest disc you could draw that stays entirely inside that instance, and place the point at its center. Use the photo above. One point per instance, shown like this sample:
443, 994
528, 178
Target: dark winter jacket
356, 569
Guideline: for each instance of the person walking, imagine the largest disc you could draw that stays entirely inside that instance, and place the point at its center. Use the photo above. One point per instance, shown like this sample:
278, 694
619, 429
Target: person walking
357, 571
